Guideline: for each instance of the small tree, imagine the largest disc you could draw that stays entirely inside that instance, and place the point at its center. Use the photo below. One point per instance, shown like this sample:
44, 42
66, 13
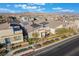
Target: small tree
35, 35
61, 30
71, 30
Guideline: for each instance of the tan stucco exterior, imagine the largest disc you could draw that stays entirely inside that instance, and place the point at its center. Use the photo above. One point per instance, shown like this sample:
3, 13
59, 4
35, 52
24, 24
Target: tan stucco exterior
41, 31
8, 33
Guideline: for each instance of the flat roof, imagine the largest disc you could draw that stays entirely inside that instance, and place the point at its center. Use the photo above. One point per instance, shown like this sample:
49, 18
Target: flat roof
39, 22
4, 26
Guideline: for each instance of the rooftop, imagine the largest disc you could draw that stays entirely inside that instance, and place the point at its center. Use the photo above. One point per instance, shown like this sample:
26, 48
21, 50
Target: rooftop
4, 26
40, 22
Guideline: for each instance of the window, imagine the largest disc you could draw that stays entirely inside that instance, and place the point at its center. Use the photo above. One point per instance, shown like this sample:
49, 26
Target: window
17, 38
7, 40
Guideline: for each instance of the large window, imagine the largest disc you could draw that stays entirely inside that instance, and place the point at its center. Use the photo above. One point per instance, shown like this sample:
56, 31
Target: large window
7, 40
17, 38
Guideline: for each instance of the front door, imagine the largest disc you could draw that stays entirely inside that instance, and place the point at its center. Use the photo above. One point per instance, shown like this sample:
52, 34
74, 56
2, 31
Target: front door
7, 43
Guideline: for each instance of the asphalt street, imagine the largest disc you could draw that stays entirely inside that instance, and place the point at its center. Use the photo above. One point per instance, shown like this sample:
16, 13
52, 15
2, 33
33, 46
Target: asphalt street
64, 48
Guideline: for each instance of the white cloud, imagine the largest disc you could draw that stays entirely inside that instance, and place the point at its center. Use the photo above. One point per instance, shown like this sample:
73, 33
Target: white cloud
35, 4
30, 7
24, 6
21, 6
39, 3
37, 9
67, 10
40, 9
59, 9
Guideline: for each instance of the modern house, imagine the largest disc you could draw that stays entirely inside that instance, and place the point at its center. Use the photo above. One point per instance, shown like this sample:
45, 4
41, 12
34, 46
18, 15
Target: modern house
9, 36
12, 33
41, 26
72, 24
18, 26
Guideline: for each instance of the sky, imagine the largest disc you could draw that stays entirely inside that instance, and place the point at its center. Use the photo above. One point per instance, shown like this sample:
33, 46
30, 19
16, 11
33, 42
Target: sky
39, 7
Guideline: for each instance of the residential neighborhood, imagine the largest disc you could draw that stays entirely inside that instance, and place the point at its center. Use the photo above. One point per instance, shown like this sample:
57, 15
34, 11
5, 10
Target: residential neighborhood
25, 33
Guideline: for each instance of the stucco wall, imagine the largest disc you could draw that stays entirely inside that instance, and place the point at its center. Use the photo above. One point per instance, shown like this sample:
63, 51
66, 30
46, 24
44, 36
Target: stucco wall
8, 33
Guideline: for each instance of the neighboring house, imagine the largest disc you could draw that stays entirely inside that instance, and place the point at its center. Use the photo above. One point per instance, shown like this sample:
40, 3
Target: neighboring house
72, 24
77, 23
41, 26
41, 32
7, 32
